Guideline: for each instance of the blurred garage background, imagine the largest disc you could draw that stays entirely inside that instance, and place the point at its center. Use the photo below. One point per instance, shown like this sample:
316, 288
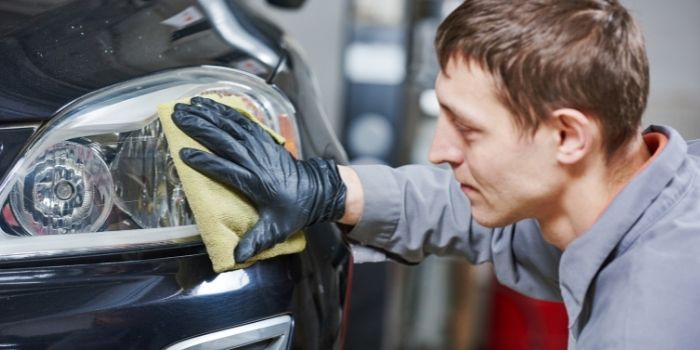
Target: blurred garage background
375, 67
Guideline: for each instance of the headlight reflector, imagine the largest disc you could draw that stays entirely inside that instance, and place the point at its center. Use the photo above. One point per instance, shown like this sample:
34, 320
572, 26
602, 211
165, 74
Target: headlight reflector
66, 190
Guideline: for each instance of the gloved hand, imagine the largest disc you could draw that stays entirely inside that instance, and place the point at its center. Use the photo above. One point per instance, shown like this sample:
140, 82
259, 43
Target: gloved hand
289, 194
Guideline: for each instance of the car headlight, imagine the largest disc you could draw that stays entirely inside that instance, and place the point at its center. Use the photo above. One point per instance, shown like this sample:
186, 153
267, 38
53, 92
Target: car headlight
99, 177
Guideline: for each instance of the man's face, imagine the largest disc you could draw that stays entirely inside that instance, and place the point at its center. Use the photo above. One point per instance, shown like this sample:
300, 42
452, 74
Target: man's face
507, 175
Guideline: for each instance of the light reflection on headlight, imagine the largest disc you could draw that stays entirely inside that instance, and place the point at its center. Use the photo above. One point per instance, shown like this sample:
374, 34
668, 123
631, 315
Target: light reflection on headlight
147, 187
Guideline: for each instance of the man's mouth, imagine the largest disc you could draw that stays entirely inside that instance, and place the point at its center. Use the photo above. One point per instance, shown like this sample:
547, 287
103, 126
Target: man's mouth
468, 189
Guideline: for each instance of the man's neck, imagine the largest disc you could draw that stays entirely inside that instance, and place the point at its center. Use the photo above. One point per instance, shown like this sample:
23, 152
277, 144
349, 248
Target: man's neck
589, 194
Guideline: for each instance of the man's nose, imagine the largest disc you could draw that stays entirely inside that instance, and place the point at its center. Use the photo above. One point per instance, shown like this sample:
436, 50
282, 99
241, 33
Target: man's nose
445, 145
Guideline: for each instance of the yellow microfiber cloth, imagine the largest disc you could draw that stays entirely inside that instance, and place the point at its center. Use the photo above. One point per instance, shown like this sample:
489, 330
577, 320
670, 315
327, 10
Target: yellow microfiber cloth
222, 214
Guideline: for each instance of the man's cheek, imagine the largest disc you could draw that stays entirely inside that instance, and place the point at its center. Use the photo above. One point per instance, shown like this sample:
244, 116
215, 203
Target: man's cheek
480, 169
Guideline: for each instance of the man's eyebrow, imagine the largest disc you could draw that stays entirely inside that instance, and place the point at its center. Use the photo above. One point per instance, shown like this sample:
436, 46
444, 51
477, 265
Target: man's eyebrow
447, 108
461, 115
444, 106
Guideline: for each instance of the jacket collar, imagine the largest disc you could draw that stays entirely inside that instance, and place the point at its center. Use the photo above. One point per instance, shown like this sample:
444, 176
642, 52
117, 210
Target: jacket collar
586, 255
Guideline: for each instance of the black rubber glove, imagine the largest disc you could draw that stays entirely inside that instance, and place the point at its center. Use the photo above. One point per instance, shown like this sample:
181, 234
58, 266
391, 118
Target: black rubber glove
289, 194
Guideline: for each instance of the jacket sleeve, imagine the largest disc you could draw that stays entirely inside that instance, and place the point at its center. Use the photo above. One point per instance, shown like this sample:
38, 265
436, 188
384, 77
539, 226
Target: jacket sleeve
416, 210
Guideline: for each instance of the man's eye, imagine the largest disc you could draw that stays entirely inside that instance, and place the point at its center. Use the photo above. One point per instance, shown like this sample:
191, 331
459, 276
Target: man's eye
464, 129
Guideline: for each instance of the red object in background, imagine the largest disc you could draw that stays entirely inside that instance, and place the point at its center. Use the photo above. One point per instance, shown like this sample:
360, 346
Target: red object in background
518, 322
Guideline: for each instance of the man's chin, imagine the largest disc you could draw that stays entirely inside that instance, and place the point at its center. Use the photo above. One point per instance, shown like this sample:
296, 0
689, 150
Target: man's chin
491, 221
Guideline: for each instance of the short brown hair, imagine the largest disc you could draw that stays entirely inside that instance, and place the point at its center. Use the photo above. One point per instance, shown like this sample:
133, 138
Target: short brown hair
549, 54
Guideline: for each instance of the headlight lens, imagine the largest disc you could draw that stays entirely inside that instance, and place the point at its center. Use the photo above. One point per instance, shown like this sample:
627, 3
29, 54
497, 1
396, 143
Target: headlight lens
102, 167
68, 189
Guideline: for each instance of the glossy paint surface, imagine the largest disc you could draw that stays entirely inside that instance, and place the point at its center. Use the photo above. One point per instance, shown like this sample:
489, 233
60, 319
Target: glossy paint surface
52, 52
12, 139
137, 303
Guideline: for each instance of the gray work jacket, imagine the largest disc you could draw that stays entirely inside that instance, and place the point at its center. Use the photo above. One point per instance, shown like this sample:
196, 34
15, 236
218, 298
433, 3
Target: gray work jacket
632, 281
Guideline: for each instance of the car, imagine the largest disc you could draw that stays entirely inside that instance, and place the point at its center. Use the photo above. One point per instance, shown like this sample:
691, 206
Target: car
98, 247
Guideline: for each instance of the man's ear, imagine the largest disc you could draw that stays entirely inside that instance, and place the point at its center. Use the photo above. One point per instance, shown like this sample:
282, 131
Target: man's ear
575, 134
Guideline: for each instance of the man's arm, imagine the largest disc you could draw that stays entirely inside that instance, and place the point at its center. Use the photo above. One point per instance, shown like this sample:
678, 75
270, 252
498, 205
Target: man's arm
354, 198
414, 211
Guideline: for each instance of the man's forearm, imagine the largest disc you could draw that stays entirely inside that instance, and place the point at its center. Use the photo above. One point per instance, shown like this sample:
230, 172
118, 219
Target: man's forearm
354, 200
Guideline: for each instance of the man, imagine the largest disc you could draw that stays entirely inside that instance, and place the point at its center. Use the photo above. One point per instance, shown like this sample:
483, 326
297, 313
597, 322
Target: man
541, 105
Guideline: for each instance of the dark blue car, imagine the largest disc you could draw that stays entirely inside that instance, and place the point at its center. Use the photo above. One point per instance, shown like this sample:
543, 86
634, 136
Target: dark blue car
98, 247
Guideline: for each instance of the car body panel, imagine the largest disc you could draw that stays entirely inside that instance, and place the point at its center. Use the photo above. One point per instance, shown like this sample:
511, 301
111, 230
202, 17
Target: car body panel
12, 139
149, 304
53, 54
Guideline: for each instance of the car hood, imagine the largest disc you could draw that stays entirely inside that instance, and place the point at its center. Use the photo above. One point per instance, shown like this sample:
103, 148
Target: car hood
52, 52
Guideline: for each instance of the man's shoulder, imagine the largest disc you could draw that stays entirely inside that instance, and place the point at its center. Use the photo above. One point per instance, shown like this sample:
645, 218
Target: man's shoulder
647, 298
670, 248
671, 230
694, 147
693, 154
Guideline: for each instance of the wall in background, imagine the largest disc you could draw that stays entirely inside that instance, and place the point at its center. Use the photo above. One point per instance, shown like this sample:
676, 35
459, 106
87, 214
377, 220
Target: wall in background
671, 30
